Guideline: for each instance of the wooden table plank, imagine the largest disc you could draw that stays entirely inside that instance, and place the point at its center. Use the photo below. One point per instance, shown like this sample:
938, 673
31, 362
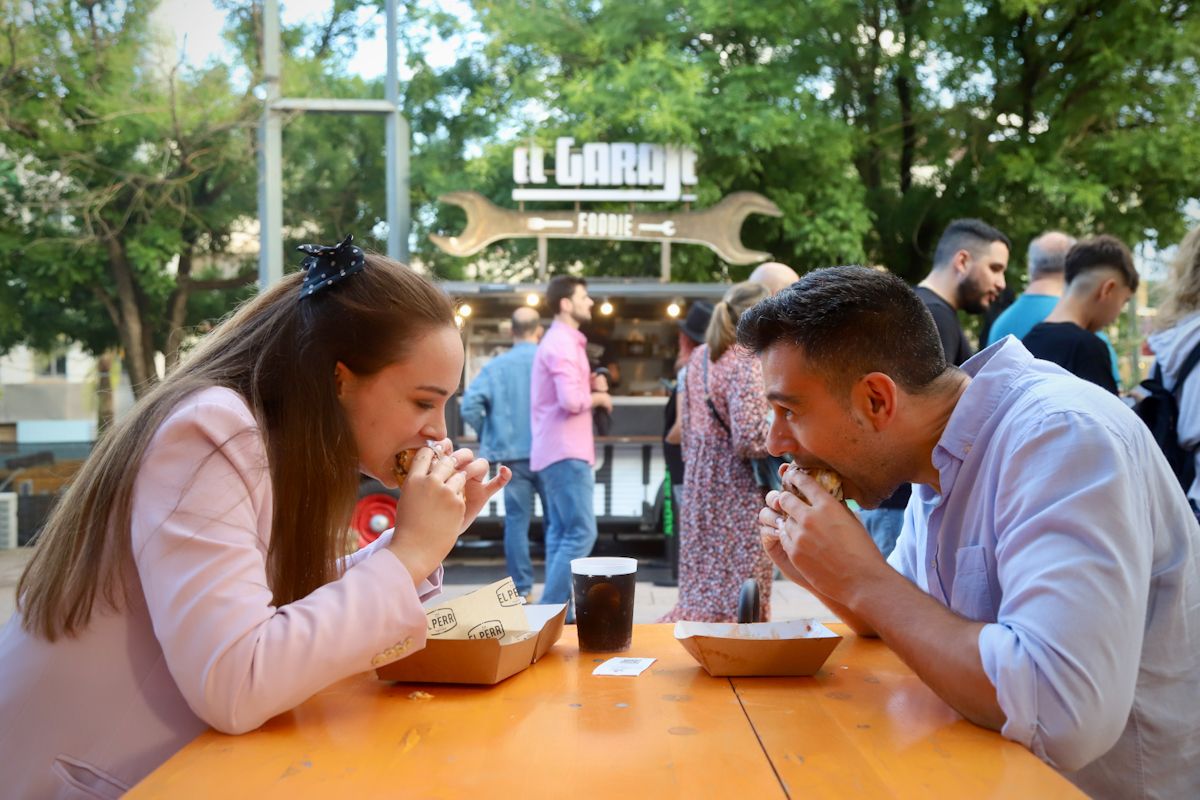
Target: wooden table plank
554, 730
866, 726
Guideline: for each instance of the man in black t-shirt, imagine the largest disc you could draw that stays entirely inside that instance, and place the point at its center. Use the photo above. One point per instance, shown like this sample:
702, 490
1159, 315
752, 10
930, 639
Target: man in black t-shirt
1100, 280
968, 273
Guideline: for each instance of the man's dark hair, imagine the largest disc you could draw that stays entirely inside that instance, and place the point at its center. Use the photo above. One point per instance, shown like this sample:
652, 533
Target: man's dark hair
1101, 252
849, 321
966, 234
561, 287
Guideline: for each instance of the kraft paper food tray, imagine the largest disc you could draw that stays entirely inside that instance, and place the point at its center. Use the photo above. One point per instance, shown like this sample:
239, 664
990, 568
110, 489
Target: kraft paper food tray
789, 647
481, 661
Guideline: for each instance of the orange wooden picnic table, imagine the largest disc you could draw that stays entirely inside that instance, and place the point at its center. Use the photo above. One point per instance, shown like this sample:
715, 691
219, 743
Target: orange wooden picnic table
864, 726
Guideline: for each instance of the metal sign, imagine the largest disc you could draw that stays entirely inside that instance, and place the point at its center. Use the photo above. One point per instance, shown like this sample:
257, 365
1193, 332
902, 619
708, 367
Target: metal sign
667, 168
717, 227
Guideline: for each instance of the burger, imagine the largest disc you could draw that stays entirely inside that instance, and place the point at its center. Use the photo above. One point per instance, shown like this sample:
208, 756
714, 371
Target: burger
828, 480
400, 470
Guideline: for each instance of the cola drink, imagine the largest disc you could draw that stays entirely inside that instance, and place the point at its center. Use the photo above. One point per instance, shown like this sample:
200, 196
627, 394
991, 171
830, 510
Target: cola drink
603, 590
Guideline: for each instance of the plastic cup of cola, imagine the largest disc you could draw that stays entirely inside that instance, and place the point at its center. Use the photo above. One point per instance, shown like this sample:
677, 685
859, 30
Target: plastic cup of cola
603, 590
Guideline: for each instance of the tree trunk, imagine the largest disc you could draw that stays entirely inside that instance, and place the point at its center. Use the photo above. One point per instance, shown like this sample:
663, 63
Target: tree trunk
135, 335
177, 308
104, 392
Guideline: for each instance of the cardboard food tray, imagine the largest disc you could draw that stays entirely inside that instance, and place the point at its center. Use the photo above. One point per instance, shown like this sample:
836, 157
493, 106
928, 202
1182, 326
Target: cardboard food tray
789, 647
481, 661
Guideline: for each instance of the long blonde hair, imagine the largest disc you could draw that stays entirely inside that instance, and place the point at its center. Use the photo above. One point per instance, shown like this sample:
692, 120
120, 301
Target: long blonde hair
722, 328
279, 354
1183, 285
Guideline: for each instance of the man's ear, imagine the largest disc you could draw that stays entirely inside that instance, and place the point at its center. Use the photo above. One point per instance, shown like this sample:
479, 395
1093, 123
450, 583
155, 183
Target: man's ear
961, 262
875, 396
1107, 288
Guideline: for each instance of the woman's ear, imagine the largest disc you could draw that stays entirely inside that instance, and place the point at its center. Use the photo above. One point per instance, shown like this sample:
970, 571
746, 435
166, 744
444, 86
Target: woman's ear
341, 377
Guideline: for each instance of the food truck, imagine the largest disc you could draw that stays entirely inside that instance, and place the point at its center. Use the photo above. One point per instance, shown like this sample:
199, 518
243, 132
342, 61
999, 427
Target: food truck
634, 334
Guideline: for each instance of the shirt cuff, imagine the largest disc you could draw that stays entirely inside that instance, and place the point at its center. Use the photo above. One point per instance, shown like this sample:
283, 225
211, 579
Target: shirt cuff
1014, 676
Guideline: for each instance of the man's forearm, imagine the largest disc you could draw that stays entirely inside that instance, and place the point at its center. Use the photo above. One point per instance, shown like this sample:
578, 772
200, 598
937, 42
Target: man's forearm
937, 644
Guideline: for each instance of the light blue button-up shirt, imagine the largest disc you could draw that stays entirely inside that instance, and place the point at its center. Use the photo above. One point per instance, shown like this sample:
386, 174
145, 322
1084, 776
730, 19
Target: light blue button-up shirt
1061, 525
496, 404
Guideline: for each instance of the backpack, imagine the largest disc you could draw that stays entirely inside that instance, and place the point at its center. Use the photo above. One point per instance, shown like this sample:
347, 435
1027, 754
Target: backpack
1159, 409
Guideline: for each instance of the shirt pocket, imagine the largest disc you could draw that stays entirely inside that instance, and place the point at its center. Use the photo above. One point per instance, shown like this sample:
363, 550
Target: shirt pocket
85, 780
971, 595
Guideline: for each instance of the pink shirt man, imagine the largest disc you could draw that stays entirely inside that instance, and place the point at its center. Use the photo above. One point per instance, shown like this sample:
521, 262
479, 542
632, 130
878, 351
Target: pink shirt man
561, 399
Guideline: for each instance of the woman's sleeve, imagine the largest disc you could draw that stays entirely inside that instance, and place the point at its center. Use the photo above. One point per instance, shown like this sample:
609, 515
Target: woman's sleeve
200, 523
430, 587
747, 408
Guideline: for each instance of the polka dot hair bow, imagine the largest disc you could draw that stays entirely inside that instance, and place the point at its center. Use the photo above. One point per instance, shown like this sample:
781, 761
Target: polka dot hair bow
324, 266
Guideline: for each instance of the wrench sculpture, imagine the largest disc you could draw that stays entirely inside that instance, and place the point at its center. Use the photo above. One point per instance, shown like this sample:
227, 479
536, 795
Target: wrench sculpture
718, 227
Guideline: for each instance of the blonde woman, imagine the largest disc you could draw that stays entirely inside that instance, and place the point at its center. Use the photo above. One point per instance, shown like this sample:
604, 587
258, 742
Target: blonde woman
190, 577
724, 416
1177, 334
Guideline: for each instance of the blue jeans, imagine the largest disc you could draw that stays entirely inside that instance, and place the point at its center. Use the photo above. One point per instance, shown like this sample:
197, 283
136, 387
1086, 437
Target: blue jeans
518, 510
567, 488
884, 525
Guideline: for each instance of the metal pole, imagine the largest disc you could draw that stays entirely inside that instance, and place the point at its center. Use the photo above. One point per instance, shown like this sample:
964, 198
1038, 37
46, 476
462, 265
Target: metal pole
543, 257
398, 203
270, 158
664, 263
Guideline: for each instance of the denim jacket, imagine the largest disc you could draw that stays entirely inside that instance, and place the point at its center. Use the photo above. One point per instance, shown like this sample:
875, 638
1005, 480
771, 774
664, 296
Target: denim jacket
496, 404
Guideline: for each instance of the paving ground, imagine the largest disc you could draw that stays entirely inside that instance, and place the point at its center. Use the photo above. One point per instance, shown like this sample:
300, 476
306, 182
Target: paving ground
471, 570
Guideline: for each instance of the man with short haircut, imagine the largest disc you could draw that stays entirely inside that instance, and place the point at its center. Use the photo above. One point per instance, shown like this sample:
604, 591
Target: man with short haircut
1047, 580
496, 406
967, 275
1100, 280
1046, 261
563, 394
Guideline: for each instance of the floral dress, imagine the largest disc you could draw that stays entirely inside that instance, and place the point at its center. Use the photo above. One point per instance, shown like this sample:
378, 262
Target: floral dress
719, 546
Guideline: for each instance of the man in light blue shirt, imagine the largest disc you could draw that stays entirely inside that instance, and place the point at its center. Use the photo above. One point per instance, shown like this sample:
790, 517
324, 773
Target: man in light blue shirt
496, 406
1046, 583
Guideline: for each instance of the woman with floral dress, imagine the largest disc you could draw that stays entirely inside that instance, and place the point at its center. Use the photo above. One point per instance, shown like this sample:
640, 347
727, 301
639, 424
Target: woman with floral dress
724, 426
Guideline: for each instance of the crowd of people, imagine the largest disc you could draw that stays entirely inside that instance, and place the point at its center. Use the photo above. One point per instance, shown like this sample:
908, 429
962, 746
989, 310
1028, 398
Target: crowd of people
1020, 540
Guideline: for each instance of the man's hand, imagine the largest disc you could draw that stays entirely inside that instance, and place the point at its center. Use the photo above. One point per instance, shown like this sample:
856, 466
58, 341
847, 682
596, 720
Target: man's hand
602, 400
599, 383
824, 542
823, 547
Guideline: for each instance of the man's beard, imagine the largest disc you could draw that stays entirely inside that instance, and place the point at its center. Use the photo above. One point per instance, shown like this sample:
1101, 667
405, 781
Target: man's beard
971, 299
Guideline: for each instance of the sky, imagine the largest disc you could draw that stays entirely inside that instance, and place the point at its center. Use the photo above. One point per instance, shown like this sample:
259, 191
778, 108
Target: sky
195, 27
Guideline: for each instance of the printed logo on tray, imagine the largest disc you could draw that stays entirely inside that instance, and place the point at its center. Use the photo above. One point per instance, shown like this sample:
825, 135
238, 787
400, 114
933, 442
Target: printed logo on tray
507, 595
492, 629
440, 620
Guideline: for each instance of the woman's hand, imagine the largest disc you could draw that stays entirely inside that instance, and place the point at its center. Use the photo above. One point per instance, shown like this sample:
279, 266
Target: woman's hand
429, 513
477, 490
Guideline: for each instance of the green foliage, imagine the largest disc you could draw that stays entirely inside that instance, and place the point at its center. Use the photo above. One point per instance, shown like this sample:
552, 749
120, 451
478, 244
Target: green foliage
871, 124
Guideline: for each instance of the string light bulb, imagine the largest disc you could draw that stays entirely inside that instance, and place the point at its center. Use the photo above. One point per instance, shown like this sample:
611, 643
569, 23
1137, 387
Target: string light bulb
673, 310
606, 308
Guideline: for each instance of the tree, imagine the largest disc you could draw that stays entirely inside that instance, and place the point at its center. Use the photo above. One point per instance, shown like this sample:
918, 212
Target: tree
131, 167
874, 123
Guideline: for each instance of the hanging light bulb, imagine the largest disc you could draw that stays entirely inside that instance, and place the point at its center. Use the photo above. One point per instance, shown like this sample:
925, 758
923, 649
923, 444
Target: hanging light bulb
532, 299
606, 308
673, 310
465, 310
